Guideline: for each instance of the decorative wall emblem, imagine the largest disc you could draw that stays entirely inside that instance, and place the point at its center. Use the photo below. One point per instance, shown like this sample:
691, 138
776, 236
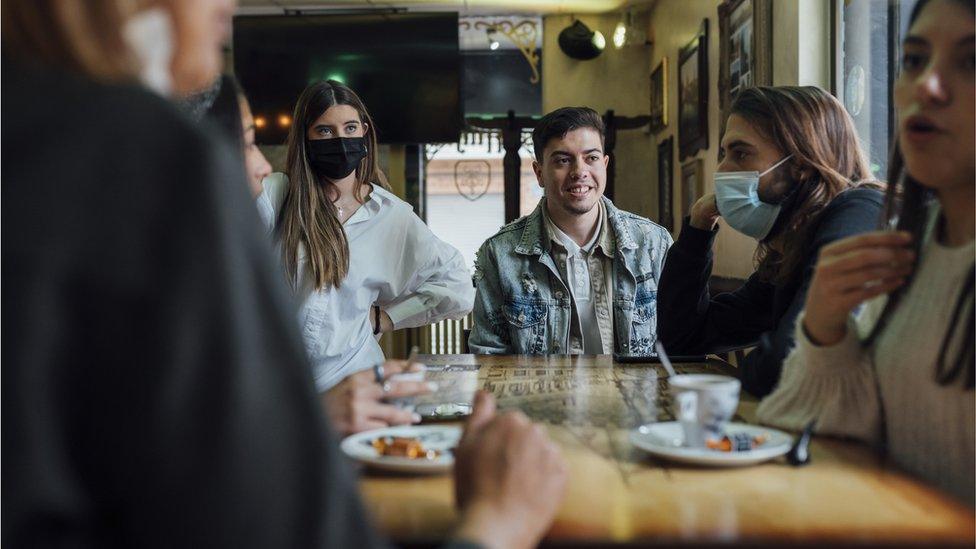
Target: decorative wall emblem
472, 177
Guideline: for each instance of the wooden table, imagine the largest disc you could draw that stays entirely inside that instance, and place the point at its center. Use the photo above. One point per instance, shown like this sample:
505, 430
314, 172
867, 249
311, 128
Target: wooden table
617, 494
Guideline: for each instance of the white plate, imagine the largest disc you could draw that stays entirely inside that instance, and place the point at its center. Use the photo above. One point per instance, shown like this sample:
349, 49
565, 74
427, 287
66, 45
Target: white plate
665, 440
434, 437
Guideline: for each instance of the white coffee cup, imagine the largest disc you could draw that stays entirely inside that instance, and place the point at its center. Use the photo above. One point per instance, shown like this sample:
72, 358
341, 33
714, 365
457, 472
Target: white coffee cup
704, 404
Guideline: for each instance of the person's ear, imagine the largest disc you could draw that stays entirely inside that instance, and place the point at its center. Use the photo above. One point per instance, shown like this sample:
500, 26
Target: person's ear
537, 168
800, 174
606, 161
365, 129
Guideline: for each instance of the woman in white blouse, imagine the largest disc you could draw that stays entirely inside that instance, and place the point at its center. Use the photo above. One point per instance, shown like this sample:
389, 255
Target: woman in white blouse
361, 262
901, 374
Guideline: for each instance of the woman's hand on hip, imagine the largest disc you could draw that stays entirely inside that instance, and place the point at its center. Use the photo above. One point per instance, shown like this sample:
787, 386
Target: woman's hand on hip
386, 323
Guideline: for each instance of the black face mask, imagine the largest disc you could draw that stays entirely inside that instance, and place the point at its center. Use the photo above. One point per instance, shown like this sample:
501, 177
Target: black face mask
337, 157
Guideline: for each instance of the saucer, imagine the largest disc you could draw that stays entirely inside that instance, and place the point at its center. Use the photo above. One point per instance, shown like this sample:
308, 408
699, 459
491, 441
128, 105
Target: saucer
666, 440
443, 438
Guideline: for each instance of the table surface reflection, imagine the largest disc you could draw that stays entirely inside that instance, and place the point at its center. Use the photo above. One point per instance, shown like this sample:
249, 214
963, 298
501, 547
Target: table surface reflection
618, 494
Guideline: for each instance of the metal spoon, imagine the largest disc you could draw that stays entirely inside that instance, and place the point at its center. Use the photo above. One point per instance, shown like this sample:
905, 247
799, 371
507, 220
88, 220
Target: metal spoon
799, 454
665, 361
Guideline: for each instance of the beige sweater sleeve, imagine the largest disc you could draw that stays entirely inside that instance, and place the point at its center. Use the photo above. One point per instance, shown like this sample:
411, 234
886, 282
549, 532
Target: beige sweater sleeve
834, 385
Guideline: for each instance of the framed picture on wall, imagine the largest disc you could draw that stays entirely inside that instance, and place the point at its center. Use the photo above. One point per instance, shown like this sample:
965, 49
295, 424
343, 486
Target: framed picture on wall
659, 97
692, 187
665, 183
693, 94
745, 50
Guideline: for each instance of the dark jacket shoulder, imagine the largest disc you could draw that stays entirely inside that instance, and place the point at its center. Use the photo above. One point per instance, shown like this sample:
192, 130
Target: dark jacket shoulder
133, 137
35, 96
854, 211
121, 168
863, 196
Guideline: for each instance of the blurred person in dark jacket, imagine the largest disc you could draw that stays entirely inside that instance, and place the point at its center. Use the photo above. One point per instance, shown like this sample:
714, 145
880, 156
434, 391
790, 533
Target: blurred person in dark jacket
155, 391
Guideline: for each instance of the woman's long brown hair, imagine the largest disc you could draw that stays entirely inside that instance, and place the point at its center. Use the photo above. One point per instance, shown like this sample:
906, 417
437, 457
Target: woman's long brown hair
308, 217
84, 37
812, 126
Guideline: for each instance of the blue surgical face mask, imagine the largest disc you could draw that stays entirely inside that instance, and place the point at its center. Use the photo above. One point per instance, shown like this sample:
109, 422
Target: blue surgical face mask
737, 198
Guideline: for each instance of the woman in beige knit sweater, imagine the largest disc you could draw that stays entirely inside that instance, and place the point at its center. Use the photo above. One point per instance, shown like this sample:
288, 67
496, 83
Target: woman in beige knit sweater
900, 374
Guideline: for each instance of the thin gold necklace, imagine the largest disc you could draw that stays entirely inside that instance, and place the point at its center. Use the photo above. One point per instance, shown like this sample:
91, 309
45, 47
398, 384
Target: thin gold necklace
339, 208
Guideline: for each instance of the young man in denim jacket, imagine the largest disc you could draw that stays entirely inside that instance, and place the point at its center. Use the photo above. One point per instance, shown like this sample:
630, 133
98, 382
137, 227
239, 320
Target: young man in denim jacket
576, 275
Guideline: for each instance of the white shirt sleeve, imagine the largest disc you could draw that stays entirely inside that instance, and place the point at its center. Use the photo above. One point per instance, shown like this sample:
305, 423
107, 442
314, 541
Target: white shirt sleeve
270, 199
436, 284
834, 385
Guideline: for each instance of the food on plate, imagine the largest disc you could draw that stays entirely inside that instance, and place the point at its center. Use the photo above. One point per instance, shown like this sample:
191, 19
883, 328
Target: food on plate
406, 447
738, 442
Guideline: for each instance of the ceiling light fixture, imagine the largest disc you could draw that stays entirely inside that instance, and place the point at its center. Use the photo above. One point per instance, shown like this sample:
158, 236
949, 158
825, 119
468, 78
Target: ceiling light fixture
619, 35
493, 43
628, 34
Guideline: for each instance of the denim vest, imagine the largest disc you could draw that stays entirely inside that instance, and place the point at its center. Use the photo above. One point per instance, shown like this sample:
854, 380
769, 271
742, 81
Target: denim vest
524, 307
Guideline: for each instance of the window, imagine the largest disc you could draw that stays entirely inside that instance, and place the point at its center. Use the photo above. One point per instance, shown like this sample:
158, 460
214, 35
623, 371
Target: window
465, 191
868, 43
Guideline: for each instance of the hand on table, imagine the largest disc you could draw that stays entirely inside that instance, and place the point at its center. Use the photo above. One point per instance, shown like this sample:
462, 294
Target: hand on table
509, 478
356, 403
704, 213
849, 272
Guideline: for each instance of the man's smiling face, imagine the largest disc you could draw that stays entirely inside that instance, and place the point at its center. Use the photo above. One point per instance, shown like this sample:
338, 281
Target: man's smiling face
573, 171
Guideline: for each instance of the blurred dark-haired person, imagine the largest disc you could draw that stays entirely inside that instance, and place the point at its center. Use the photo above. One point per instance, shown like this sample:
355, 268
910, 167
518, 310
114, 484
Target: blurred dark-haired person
227, 108
900, 374
360, 260
577, 275
155, 390
794, 178
256, 165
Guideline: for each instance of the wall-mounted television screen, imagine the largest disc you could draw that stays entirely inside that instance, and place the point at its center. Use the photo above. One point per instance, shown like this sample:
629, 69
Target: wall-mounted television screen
406, 67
